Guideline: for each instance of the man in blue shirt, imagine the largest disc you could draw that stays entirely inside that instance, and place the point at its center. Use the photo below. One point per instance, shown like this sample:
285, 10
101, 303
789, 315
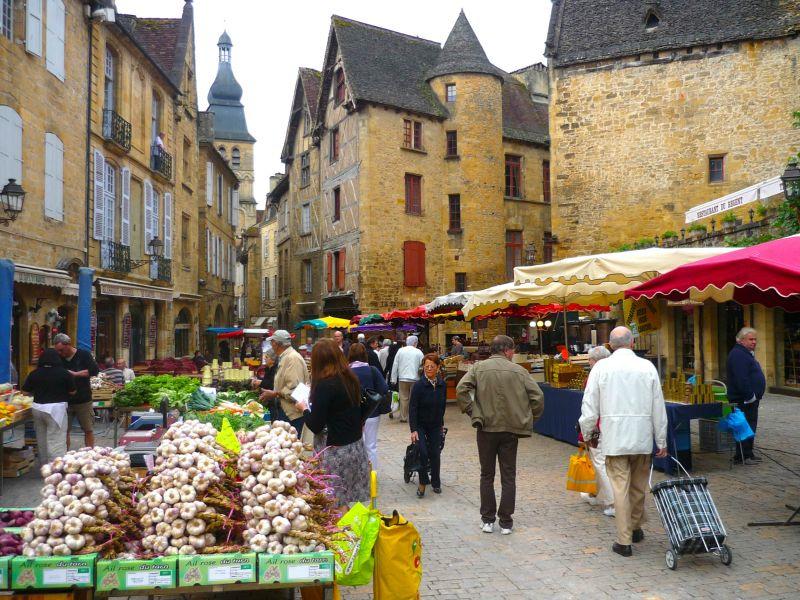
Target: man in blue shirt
746, 386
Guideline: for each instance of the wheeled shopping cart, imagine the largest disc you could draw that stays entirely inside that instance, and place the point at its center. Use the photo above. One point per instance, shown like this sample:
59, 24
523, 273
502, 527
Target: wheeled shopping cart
689, 517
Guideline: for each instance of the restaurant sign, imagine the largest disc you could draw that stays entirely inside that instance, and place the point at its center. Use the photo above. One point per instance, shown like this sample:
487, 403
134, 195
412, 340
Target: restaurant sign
759, 191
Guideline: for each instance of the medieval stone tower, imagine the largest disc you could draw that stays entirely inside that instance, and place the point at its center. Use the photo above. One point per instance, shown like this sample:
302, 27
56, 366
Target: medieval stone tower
231, 136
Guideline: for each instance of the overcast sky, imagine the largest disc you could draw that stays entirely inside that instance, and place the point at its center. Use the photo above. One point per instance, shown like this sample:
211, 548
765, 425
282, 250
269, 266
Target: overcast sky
272, 39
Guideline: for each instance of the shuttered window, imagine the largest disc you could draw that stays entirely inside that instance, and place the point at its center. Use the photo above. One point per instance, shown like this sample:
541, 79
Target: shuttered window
53, 177
55, 21
337, 204
208, 250
334, 148
33, 27
168, 225
341, 269
99, 196
220, 198
148, 216
413, 194
413, 264
546, 180
513, 176
111, 203
339, 85
7, 18
209, 184
125, 212
10, 145
329, 271
235, 208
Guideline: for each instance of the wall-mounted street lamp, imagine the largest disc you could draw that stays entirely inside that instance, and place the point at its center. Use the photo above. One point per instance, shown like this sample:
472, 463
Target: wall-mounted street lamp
156, 247
791, 186
12, 199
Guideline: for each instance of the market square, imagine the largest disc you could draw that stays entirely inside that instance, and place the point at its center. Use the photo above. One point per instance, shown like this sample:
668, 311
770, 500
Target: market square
381, 306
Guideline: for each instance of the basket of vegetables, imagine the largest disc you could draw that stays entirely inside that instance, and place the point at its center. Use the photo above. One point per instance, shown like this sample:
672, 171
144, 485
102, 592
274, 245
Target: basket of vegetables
149, 390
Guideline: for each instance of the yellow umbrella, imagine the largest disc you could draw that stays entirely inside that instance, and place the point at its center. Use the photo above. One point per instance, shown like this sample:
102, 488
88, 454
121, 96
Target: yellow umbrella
335, 322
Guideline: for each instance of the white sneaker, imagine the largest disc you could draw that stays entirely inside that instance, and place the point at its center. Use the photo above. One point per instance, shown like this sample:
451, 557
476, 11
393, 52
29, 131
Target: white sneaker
505, 531
592, 500
487, 527
610, 512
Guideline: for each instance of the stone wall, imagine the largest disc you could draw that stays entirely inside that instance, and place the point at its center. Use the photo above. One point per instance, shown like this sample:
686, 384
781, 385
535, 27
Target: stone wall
631, 138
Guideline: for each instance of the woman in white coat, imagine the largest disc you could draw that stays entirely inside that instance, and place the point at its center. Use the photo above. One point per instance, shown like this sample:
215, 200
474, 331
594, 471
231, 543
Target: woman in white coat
605, 495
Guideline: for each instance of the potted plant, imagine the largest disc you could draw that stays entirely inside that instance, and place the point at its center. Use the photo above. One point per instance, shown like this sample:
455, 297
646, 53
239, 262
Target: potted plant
761, 211
728, 221
696, 230
643, 243
669, 237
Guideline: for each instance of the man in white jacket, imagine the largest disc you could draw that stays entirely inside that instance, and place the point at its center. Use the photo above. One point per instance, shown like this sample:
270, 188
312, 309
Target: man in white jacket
624, 392
405, 372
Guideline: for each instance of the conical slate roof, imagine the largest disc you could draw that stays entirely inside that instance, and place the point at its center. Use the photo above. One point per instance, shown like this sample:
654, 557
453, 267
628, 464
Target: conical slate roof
224, 39
225, 101
225, 86
463, 53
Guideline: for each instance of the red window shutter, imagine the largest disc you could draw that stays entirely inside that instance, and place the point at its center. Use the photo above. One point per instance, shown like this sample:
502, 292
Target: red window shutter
330, 271
341, 273
420, 264
413, 264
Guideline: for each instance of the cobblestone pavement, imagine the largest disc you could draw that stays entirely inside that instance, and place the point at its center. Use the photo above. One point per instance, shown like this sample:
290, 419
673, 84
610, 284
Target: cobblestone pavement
560, 547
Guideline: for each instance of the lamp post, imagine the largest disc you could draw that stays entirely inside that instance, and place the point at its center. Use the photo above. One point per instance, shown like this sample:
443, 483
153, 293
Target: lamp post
12, 199
791, 186
156, 247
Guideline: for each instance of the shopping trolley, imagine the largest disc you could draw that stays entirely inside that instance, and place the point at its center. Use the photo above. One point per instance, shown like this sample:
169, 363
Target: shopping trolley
689, 517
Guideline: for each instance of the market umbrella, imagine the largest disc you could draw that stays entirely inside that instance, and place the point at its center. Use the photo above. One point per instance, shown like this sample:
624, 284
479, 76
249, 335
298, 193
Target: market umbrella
767, 274
370, 319
448, 302
311, 324
335, 322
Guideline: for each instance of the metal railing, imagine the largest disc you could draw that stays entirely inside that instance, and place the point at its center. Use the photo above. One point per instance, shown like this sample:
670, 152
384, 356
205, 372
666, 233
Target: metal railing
161, 162
115, 257
116, 129
160, 268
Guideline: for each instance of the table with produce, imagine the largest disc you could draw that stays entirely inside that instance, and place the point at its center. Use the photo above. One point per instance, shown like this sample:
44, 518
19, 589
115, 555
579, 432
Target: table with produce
231, 507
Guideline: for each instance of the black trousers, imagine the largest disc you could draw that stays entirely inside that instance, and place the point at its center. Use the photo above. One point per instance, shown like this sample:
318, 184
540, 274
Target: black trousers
751, 414
493, 448
430, 453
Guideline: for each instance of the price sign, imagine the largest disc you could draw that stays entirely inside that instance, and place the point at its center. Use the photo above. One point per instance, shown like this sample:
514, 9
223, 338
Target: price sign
126, 330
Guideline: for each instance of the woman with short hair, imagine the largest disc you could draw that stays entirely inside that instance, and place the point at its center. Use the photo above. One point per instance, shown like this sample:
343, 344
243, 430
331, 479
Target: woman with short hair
335, 405
426, 408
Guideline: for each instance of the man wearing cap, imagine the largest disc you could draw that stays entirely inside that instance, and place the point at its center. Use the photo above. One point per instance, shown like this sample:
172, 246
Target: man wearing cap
405, 372
292, 371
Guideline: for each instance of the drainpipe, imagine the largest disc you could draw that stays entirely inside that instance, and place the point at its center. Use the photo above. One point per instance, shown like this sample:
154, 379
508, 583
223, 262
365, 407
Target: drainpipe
90, 30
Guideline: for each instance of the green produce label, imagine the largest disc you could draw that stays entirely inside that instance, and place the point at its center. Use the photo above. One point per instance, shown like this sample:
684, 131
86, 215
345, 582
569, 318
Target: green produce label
5, 571
53, 571
137, 574
214, 569
295, 568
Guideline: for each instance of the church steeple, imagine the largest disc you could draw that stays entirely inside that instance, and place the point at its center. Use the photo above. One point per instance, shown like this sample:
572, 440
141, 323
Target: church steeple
225, 98
463, 53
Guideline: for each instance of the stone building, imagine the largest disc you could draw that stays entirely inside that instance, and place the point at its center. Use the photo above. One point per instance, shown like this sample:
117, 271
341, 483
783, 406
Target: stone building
235, 144
422, 170
657, 107
44, 52
263, 269
143, 157
217, 224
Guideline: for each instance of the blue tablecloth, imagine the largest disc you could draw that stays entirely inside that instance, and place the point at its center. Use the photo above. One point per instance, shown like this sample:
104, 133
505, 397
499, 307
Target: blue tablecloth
562, 409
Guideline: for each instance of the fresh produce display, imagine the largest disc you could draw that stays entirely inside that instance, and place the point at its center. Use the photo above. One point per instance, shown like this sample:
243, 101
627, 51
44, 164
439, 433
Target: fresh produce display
11, 544
287, 501
87, 505
199, 400
100, 382
191, 506
7, 410
15, 518
150, 389
234, 386
238, 422
241, 397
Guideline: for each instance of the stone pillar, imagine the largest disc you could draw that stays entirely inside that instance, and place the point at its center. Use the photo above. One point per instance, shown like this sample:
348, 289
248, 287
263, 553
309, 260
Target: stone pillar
767, 353
123, 307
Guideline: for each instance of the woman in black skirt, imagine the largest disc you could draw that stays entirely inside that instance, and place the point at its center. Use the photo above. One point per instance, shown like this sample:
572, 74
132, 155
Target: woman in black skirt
426, 419
336, 405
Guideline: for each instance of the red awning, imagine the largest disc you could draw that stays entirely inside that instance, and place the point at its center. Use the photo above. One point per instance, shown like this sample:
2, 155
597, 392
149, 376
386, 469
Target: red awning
767, 274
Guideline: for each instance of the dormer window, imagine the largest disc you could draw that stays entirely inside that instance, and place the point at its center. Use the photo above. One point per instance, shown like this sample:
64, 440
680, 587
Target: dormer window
651, 21
339, 86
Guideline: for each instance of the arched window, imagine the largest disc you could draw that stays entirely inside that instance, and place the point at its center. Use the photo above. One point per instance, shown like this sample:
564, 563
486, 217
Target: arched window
10, 145
155, 119
236, 158
223, 152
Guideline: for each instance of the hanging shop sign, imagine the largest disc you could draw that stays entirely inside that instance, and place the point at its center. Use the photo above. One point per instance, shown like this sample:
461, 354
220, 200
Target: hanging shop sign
126, 330
93, 329
152, 332
36, 347
643, 314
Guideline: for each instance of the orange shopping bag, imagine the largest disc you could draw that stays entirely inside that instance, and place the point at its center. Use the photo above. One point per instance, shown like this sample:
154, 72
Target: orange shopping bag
581, 475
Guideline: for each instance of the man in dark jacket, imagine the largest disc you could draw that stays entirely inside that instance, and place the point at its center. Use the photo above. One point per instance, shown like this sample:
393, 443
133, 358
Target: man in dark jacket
372, 353
746, 385
80, 363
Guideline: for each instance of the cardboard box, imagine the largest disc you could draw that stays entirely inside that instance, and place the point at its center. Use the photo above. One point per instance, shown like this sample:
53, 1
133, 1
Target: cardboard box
217, 569
295, 568
124, 575
53, 572
5, 572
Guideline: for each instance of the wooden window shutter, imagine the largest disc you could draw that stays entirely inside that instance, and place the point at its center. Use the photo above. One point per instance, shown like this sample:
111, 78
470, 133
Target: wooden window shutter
125, 223
341, 270
420, 264
99, 195
413, 264
54, 42
168, 225
53, 177
330, 271
148, 216
209, 184
33, 27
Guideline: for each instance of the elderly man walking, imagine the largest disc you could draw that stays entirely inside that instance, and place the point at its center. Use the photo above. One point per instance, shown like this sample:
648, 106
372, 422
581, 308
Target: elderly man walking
746, 386
624, 392
503, 401
405, 372
292, 371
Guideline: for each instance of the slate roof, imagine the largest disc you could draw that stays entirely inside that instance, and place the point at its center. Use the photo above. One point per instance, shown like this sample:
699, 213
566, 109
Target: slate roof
523, 119
462, 53
589, 30
386, 67
158, 39
307, 86
225, 101
311, 79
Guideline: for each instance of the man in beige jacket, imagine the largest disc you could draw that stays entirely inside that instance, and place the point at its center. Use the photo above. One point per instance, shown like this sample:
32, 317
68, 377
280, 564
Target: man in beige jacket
503, 401
292, 371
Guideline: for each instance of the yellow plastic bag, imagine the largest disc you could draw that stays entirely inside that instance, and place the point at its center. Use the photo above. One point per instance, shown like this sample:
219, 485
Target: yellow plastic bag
398, 560
581, 475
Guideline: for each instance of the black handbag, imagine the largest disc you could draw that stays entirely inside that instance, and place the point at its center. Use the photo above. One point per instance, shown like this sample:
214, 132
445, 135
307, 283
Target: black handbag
370, 399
